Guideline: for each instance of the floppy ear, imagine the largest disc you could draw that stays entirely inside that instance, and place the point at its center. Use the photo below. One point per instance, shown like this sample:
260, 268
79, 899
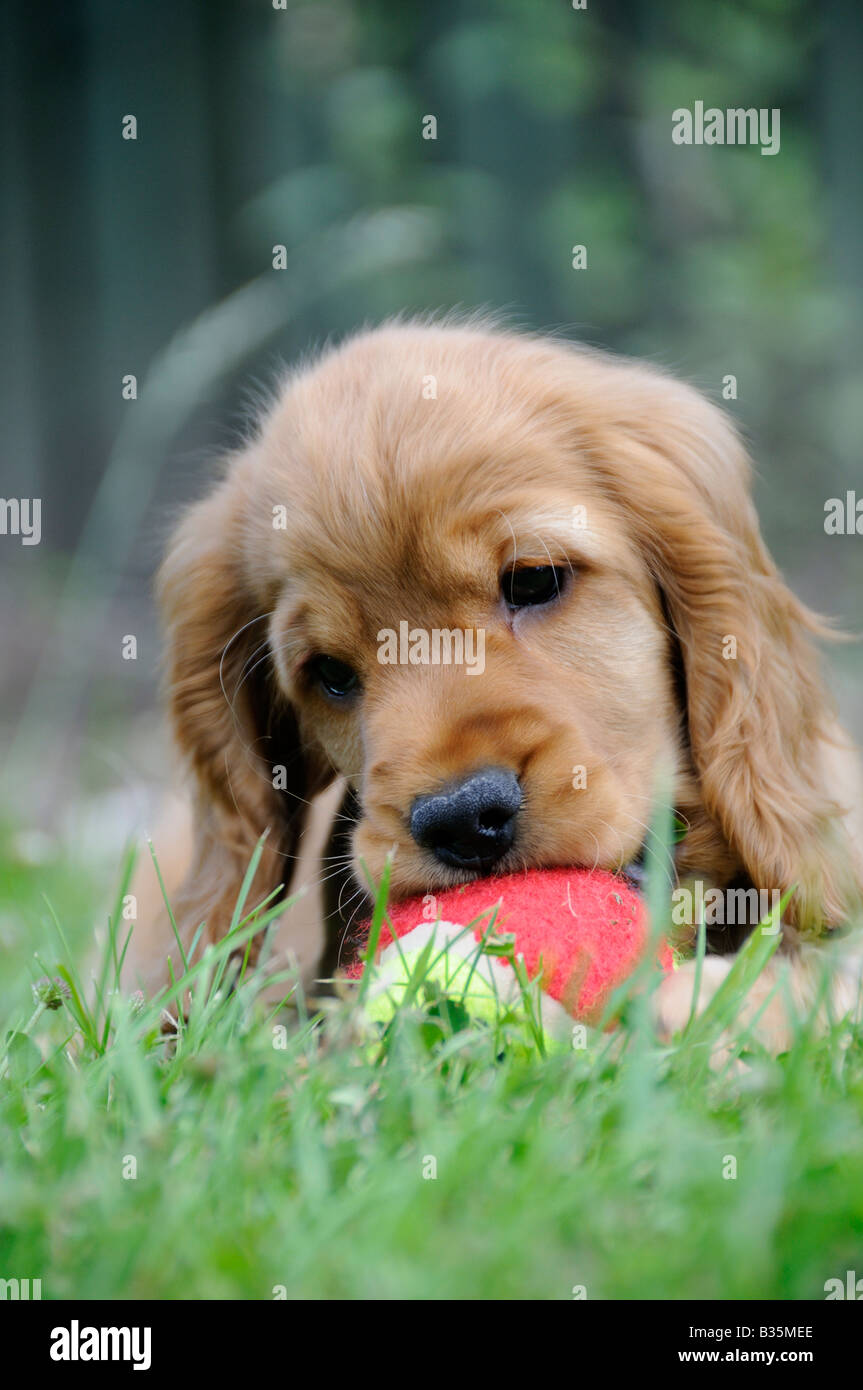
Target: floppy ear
759, 719
231, 725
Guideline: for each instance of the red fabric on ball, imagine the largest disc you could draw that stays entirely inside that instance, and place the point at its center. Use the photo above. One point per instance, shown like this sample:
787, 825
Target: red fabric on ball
588, 927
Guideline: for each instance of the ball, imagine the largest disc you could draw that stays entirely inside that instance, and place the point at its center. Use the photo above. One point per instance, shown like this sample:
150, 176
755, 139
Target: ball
576, 934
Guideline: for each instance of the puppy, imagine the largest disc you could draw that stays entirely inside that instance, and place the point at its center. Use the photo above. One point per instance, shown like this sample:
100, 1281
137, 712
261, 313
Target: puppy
500, 586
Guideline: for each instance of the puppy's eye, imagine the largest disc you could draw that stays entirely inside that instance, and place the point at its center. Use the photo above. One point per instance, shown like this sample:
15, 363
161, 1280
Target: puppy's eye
529, 585
335, 677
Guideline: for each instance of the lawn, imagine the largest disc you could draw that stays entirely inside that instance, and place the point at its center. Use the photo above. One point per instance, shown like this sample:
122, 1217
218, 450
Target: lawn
308, 1155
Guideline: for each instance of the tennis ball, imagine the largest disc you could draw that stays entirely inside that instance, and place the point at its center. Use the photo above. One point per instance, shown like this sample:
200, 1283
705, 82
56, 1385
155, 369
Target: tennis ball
580, 933
449, 961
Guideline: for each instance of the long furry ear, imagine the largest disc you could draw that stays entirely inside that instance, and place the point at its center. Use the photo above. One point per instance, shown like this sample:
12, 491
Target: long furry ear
231, 727
760, 721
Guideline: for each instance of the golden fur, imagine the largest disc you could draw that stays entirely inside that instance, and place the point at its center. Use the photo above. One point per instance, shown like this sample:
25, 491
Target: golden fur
415, 463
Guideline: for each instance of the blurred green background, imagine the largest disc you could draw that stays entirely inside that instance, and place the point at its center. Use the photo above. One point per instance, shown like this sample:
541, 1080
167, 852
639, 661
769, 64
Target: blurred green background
302, 126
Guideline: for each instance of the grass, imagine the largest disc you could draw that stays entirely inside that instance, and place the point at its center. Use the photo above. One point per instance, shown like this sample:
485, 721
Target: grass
310, 1155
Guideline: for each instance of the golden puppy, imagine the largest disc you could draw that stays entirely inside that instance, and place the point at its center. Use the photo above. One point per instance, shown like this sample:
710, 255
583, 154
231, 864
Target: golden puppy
500, 584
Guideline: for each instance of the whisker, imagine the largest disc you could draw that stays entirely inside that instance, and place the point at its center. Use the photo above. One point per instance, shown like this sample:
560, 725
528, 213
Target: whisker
231, 640
512, 533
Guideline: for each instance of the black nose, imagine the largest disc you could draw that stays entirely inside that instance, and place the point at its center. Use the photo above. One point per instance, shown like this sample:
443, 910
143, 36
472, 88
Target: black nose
471, 824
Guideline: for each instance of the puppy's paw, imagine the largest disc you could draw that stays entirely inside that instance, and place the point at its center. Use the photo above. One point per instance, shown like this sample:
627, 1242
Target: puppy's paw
765, 1013
673, 1000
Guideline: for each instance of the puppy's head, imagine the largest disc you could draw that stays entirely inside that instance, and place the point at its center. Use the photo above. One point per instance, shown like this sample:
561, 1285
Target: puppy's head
502, 585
